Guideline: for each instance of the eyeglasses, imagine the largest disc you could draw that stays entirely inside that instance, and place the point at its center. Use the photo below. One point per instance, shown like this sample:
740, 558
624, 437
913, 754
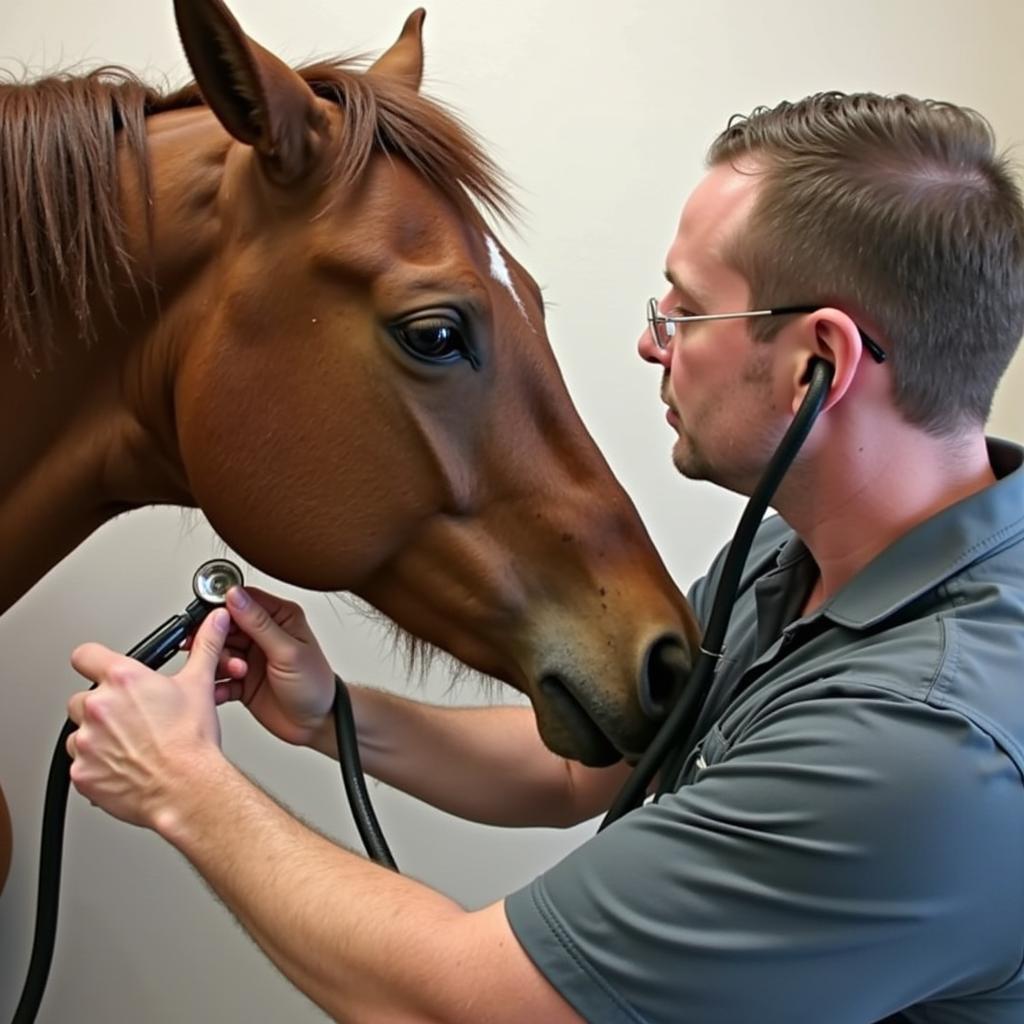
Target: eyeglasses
663, 328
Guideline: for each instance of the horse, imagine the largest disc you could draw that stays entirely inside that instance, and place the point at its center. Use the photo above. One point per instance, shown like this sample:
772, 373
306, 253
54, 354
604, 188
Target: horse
273, 295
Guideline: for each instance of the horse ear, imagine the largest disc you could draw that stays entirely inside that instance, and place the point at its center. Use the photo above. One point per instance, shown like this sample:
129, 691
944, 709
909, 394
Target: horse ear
404, 59
255, 95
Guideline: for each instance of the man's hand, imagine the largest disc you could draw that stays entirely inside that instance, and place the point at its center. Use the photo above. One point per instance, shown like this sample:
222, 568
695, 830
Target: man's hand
138, 728
276, 666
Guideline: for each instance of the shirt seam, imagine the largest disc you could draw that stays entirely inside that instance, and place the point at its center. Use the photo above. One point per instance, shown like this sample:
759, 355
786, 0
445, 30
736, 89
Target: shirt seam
947, 661
564, 939
962, 560
1006, 743
946, 670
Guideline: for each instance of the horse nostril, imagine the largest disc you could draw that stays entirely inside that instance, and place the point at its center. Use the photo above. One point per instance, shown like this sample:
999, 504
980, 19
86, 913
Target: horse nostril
666, 668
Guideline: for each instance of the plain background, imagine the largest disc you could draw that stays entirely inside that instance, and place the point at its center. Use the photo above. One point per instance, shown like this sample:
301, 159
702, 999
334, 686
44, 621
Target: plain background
600, 113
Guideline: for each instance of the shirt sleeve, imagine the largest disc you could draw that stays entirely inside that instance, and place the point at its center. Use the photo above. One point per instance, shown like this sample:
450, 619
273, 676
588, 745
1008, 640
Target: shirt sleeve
851, 855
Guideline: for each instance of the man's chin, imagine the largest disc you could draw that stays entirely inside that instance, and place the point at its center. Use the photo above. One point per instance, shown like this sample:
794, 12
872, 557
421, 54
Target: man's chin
688, 463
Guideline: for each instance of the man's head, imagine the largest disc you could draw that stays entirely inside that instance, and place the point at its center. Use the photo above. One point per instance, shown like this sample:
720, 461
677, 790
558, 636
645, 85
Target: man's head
894, 216
900, 212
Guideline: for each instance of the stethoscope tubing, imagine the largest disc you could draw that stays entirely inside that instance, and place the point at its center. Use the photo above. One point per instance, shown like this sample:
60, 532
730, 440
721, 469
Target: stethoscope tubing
668, 750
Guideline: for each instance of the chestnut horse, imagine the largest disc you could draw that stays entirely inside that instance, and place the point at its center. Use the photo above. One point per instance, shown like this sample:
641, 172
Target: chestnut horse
272, 296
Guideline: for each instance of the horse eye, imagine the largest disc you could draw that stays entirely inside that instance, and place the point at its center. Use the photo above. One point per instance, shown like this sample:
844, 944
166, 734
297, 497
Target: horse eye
438, 338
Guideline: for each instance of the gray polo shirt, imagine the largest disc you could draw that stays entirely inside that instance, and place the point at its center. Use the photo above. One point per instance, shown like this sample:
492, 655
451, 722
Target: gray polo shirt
847, 840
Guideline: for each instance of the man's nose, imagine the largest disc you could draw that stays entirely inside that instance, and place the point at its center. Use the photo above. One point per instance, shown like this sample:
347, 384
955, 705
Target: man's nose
650, 353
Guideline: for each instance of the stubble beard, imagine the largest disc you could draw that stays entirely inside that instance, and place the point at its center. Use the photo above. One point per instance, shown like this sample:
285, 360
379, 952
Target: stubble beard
692, 462
688, 460
686, 454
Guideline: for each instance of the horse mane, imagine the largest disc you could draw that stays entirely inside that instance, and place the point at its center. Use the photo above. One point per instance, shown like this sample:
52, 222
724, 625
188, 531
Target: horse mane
61, 228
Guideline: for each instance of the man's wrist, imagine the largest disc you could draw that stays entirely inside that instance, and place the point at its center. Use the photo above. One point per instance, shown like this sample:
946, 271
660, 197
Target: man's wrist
175, 810
323, 738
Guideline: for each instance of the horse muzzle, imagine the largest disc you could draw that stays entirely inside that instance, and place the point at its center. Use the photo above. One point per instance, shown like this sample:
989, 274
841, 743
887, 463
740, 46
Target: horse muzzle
587, 723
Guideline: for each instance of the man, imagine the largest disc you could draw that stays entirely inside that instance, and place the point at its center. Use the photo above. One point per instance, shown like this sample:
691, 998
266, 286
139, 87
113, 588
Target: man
845, 842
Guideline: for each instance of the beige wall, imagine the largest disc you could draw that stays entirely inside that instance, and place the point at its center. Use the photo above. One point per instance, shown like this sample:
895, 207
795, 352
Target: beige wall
600, 112
1008, 410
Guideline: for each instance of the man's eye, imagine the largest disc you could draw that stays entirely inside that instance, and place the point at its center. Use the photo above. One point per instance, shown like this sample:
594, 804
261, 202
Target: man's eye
439, 338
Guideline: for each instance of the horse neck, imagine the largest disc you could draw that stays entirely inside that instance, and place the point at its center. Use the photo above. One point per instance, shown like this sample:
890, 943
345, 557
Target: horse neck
91, 435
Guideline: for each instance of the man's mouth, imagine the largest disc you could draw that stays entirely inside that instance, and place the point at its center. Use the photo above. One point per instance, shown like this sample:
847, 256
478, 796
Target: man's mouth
671, 413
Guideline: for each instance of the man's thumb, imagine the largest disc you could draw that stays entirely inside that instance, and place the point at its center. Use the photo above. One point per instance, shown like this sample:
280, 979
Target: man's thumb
253, 619
208, 643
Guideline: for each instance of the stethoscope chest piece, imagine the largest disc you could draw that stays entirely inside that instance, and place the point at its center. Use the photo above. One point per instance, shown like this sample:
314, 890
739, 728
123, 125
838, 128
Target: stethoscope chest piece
213, 580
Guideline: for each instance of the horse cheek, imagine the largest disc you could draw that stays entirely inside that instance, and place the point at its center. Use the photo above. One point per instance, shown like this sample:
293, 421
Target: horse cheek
313, 487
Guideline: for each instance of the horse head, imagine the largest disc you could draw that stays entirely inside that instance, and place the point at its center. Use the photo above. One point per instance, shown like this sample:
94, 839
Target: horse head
368, 399
332, 355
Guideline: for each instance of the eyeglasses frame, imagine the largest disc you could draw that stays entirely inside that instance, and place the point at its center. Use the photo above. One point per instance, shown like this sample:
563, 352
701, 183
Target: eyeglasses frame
656, 319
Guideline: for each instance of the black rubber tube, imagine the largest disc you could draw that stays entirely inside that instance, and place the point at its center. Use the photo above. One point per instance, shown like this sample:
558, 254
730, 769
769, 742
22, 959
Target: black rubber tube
676, 735
51, 853
355, 782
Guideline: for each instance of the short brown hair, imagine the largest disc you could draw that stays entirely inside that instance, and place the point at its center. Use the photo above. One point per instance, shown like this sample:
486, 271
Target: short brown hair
900, 210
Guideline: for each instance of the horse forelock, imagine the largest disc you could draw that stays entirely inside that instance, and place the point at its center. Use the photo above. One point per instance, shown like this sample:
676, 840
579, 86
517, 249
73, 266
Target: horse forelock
61, 226
382, 114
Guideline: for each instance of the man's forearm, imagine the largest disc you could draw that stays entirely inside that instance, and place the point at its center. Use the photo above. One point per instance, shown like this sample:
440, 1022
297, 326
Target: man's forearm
363, 942
484, 764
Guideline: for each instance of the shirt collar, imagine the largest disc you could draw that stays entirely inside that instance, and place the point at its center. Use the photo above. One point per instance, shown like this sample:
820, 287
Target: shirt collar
932, 551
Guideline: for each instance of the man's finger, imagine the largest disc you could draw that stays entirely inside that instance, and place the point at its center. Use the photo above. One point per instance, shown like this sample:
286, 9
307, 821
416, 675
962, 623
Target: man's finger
234, 666
256, 621
230, 690
76, 706
271, 602
207, 645
93, 660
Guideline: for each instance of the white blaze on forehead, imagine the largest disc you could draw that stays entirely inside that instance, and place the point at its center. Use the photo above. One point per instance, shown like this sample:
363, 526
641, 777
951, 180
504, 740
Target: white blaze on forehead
499, 271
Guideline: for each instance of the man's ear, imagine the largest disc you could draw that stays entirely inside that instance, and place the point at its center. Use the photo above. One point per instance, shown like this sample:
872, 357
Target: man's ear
833, 336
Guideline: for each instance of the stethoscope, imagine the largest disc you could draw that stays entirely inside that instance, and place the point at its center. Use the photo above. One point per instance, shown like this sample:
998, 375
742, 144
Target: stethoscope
210, 585
666, 753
